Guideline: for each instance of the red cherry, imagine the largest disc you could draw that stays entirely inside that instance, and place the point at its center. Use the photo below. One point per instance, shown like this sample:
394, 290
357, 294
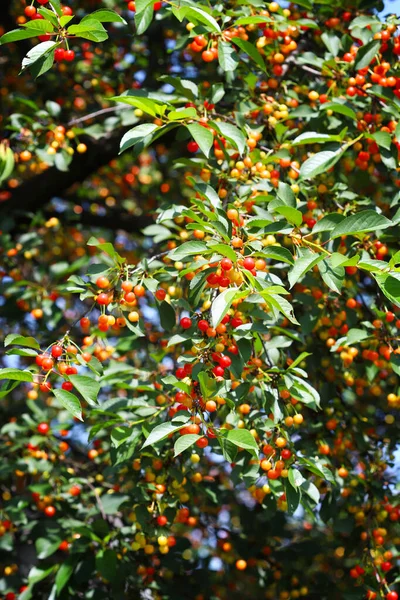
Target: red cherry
203, 325
226, 264
249, 263
202, 442
37, 16
44, 38
386, 566
39, 359
63, 546
225, 361
69, 55
102, 283
160, 294
218, 371
67, 386
84, 322
43, 1
180, 373
192, 146
157, 5
49, 511
71, 371
56, 351
286, 454
59, 54
103, 299
43, 428
47, 363
236, 322
162, 520
30, 11
392, 595
186, 323
66, 11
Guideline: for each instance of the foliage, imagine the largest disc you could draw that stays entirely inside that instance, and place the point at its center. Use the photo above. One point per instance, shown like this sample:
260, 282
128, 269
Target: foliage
200, 301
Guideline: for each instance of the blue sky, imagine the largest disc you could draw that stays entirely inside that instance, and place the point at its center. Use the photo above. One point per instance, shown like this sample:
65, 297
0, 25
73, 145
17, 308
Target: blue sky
392, 6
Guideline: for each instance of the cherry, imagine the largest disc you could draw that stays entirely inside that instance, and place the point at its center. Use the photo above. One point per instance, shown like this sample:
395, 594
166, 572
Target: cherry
186, 323
286, 454
39, 359
218, 371
67, 386
160, 294
180, 373
49, 511
202, 442
63, 546
236, 322
84, 322
157, 5
43, 1
386, 566
71, 371
59, 54
132, 6
392, 595
103, 299
207, 56
102, 283
162, 520
43, 428
192, 146
47, 363
44, 38
225, 361
66, 11
226, 264
30, 11
69, 55
75, 490
249, 263
203, 325
56, 351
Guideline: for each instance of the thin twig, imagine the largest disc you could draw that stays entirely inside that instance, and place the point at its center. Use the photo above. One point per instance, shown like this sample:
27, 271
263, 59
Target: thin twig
97, 113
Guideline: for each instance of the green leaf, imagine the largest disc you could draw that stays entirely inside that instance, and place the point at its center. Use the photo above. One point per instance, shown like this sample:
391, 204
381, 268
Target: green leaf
311, 137
89, 29
293, 497
70, 402
366, 53
182, 113
286, 194
104, 16
151, 106
41, 25
366, 220
328, 222
383, 139
341, 260
7, 162
295, 477
221, 305
167, 316
243, 439
108, 248
320, 163
202, 136
137, 134
333, 276
224, 250
184, 442
318, 469
251, 51
342, 109
144, 15
16, 375
227, 56
208, 385
292, 215
37, 53
111, 503
106, 564
197, 14
354, 336
45, 547
20, 340
64, 574
278, 253
311, 490
160, 432
304, 263
390, 286
298, 360
231, 133
87, 387
20, 34
332, 42
187, 249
